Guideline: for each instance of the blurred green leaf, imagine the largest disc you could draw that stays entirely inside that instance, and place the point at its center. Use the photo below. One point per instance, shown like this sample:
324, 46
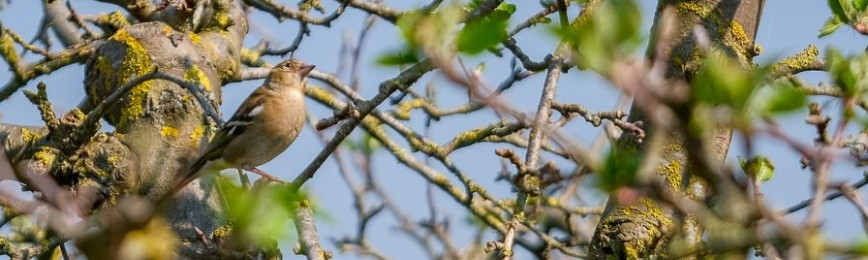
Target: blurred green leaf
407, 55
779, 98
620, 168
481, 34
759, 167
485, 32
721, 81
832, 24
261, 215
860, 5
612, 32
849, 73
407, 23
505, 7
861, 247
371, 144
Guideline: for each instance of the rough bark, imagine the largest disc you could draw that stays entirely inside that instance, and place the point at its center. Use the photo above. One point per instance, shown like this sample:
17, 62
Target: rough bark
159, 125
646, 229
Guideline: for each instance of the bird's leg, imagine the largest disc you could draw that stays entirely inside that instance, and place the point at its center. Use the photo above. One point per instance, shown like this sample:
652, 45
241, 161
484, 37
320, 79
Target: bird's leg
245, 180
265, 175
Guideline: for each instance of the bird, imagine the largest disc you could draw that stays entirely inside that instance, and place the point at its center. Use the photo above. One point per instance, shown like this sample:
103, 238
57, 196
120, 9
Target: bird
265, 124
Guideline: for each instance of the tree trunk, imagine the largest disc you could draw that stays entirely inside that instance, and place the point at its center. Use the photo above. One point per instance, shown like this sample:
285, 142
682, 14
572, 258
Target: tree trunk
159, 125
647, 228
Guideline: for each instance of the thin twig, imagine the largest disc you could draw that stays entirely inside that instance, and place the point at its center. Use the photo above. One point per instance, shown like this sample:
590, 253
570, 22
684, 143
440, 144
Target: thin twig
386, 88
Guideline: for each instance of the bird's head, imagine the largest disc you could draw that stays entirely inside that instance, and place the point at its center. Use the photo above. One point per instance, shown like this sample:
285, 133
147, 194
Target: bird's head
290, 73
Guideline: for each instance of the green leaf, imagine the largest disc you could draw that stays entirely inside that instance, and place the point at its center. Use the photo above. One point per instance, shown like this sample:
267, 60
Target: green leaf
759, 167
620, 168
780, 98
404, 56
832, 24
262, 215
860, 248
849, 73
506, 7
860, 5
721, 81
407, 23
371, 144
481, 34
837, 9
611, 32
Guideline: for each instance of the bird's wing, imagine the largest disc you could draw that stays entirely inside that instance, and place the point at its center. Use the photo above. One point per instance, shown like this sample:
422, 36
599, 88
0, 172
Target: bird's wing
244, 116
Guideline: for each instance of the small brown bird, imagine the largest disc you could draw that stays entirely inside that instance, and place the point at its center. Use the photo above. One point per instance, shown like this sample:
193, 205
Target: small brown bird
265, 124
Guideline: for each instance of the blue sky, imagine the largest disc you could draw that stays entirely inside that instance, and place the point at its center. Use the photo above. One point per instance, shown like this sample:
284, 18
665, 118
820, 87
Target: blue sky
786, 28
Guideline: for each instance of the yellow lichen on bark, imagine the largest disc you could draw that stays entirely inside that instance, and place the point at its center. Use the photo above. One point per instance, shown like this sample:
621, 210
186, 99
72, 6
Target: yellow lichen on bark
115, 18
45, 156
672, 172
672, 168
803, 59
642, 211
167, 30
136, 62
251, 57
685, 7
195, 38
196, 135
403, 110
168, 131
156, 240
194, 74
7, 50
739, 35
29, 136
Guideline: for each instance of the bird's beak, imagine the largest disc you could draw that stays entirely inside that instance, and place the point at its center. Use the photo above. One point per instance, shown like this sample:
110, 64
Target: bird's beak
306, 69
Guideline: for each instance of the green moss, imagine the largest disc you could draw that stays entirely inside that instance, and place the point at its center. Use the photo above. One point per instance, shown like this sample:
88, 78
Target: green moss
194, 74
136, 62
